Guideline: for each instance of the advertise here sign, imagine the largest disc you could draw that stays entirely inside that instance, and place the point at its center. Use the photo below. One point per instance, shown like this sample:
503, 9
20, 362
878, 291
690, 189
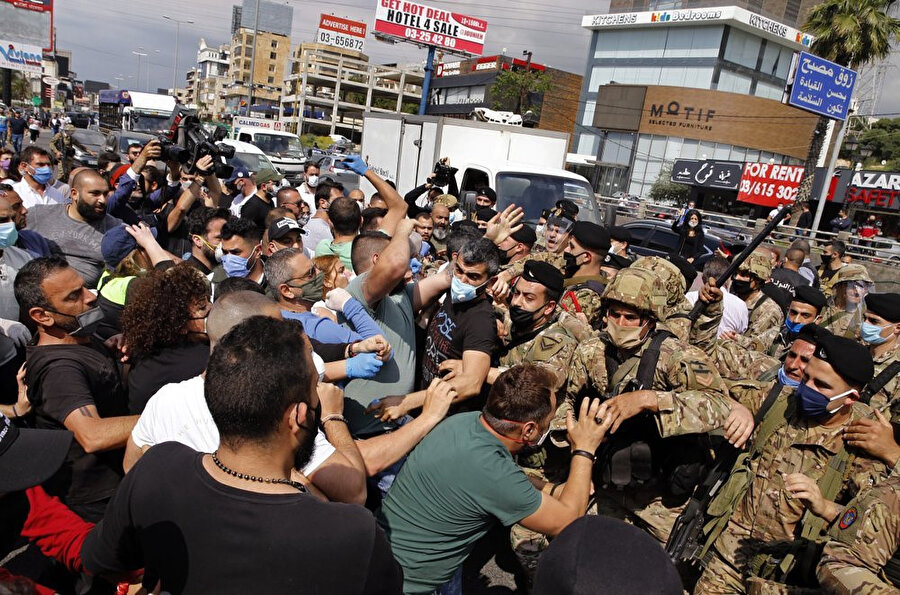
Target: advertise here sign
17, 56
341, 33
878, 189
769, 184
431, 26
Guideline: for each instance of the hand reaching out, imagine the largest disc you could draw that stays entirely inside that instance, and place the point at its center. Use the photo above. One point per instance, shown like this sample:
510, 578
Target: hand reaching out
503, 224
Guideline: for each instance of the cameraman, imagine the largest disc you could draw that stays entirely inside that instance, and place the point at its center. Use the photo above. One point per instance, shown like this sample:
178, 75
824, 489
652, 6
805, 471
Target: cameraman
443, 175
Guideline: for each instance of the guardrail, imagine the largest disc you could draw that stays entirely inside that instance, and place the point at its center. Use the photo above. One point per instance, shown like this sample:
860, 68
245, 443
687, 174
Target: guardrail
739, 229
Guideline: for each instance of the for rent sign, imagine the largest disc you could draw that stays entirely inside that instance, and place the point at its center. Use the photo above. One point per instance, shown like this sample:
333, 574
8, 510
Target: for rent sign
878, 189
769, 184
430, 26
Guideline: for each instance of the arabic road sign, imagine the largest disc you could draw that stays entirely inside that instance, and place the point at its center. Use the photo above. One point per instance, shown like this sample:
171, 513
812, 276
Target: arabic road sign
725, 175
822, 87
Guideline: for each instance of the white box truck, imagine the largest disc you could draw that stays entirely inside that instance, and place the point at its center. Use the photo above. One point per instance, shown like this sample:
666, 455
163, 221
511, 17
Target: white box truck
523, 165
283, 148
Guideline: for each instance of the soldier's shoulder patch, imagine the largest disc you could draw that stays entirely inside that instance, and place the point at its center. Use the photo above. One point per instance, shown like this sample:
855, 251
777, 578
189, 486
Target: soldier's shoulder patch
848, 518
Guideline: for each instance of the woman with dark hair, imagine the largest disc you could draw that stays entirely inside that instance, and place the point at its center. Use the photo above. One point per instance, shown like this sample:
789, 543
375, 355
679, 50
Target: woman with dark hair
164, 327
690, 246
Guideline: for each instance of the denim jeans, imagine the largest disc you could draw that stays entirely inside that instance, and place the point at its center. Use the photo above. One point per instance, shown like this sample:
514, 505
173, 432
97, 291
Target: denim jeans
453, 586
17, 142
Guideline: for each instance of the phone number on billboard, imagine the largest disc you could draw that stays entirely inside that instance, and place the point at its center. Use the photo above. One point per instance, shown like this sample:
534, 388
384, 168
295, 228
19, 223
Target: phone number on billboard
340, 41
430, 38
768, 190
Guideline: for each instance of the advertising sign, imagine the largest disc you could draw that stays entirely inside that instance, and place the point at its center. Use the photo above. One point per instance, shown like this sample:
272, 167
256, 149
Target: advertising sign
21, 57
431, 26
28, 22
724, 175
274, 125
769, 184
822, 87
341, 33
879, 189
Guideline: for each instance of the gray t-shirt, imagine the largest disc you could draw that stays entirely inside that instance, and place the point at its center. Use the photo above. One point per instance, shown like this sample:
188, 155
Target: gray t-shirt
394, 315
11, 261
316, 230
78, 242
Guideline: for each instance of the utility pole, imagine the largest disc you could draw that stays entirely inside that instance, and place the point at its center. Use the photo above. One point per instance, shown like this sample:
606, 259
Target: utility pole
253, 58
178, 24
137, 81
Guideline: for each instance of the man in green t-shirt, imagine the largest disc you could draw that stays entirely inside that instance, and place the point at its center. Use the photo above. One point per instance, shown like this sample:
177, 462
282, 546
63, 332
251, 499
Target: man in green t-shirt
345, 218
462, 480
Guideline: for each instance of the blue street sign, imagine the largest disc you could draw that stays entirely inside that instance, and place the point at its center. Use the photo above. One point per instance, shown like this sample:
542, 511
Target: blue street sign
822, 87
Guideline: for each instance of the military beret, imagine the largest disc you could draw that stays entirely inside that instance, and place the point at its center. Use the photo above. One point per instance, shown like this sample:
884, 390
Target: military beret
780, 296
614, 261
538, 271
567, 206
591, 236
851, 360
886, 305
625, 560
810, 333
489, 192
620, 234
526, 235
485, 214
809, 295
687, 269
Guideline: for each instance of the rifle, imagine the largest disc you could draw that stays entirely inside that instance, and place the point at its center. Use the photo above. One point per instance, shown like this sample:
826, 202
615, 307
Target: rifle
783, 212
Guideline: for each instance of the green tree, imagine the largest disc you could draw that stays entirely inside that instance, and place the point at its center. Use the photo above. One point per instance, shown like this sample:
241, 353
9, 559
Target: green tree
515, 87
21, 87
883, 137
851, 33
664, 189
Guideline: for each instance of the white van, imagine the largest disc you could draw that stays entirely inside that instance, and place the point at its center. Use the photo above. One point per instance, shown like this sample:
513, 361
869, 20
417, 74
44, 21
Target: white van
250, 155
283, 148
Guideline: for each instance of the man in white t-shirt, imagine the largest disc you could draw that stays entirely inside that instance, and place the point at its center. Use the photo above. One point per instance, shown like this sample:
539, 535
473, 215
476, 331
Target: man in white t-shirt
735, 316
178, 412
37, 173
307, 189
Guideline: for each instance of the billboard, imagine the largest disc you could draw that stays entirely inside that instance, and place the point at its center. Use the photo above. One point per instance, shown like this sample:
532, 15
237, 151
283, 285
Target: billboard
341, 33
874, 189
28, 22
423, 24
724, 175
273, 17
21, 57
274, 125
822, 87
770, 184
619, 107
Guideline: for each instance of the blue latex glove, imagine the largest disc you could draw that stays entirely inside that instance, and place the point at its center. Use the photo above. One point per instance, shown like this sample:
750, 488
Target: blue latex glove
364, 365
356, 163
415, 265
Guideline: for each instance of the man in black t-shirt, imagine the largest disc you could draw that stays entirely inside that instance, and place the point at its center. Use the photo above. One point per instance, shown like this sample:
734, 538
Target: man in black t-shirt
183, 515
258, 206
788, 276
74, 383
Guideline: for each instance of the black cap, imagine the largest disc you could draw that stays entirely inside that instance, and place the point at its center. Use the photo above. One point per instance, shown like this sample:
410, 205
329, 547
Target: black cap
886, 305
485, 214
282, 227
597, 554
614, 261
567, 206
810, 333
809, 295
779, 295
591, 236
538, 271
29, 457
489, 192
849, 359
620, 234
525, 235
687, 269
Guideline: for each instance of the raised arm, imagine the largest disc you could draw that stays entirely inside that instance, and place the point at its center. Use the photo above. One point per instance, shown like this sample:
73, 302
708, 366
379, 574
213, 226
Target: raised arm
396, 205
391, 267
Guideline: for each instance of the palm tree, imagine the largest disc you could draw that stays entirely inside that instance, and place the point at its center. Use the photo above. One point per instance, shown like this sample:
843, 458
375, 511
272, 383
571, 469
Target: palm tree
851, 33
21, 88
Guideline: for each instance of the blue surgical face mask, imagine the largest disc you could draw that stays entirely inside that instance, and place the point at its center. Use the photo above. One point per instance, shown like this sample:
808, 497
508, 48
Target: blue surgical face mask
8, 234
462, 292
235, 266
42, 175
794, 327
786, 380
871, 333
814, 404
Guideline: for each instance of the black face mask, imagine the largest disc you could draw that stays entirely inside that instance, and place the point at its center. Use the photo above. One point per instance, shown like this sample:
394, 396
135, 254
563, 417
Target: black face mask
305, 452
505, 258
571, 266
741, 288
522, 319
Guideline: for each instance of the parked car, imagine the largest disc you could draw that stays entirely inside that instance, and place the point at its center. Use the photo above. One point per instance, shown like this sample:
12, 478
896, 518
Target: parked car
249, 155
331, 168
650, 237
79, 119
91, 139
118, 141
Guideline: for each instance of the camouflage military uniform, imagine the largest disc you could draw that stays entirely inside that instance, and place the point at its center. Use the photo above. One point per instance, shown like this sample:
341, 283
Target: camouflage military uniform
837, 317
891, 392
863, 539
579, 297
677, 305
515, 269
766, 513
775, 342
842, 323
62, 145
765, 314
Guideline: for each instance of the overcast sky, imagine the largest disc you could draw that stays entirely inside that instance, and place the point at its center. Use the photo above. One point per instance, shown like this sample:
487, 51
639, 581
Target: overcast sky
103, 33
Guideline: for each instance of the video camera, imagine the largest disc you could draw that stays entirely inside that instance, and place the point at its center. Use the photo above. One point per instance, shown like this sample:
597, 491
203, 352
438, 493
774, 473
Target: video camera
187, 141
442, 173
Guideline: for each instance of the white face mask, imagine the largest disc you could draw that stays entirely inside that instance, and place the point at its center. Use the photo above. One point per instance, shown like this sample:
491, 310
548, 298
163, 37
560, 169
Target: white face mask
543, 437
692, 224
312, 181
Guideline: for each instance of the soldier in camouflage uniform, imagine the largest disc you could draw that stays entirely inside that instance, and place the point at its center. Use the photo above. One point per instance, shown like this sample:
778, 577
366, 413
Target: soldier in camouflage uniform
844, 312
677, 305
585, 282
685, 396
63, 146
864, 539
805, 308
747, 284
881, 333
765, 497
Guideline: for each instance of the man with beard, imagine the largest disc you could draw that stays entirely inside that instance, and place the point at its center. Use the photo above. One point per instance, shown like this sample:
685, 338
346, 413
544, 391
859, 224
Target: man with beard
77, 228
440, 216
261, 391
205, 229
74, 383
585, 280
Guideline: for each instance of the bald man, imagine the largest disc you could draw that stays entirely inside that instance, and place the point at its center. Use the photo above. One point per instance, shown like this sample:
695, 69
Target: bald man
78, 227
359, 196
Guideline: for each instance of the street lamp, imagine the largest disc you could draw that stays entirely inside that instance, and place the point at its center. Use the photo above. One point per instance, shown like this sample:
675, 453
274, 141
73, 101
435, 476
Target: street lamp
178, 24
866, 151
851, 144
139, 55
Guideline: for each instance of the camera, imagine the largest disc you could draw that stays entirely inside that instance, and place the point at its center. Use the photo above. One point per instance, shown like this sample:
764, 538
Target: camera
187, 141
442, 173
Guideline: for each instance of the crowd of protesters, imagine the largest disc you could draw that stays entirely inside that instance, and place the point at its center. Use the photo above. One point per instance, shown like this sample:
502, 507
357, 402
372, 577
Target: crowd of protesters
232, 385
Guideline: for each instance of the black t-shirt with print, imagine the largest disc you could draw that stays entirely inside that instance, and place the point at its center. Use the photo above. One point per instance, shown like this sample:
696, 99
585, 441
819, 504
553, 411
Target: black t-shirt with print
454, 329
